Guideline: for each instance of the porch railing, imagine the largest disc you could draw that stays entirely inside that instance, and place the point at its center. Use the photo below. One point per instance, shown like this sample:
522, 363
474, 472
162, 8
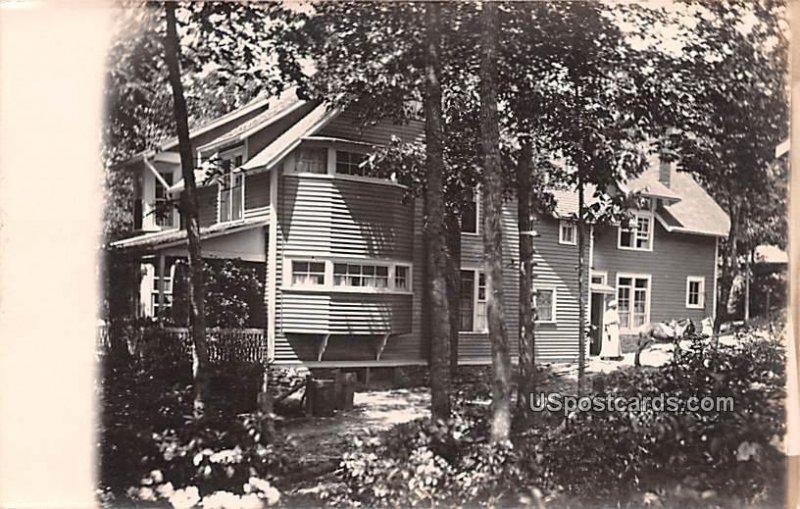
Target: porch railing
245, 344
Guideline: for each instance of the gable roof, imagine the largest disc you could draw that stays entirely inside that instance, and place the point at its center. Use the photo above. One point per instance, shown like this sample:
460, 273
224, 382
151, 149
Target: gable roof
696, 212
172, 142
277, 108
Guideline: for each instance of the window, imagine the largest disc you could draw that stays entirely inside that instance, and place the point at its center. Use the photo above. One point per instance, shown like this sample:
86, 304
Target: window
164, 214
360, 275
633, 300
230, 197
470, 214
169, 277
599, 278
545, 303
695, 292
638, 234
401, 280
312, 160
566, 232
473, 301
308, 273
350, 163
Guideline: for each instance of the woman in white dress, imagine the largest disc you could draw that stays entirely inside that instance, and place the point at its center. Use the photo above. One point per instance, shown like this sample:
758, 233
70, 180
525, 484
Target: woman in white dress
611, 348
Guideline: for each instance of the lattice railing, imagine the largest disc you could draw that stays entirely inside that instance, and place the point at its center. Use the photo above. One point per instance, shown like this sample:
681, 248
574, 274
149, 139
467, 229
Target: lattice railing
246, 344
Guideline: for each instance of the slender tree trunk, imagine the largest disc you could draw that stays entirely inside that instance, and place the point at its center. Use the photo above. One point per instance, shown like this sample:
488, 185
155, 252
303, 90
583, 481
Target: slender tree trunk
493, 228
527, 312
581, 296
189, 210
747, 286
453, 243
437, 257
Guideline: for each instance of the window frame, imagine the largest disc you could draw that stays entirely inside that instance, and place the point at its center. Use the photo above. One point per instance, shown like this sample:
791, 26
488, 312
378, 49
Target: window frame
329, 275
603, 274
227, 180
290, 273
567, 222
476, 301
701, 293
324, 150
350, 153
635, 232
648, 298
553, 304
477, 194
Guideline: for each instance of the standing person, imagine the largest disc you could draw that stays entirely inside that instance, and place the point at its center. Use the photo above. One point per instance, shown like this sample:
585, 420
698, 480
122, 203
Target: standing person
611, 347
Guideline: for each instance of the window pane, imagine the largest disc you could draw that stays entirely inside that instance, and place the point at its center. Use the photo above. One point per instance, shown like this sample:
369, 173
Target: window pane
467, 296
544, 305
480, 316
626, 238
401, 277
313, 160
481, 287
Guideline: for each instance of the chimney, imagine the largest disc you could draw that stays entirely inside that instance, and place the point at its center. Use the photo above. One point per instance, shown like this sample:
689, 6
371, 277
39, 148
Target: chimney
664, 172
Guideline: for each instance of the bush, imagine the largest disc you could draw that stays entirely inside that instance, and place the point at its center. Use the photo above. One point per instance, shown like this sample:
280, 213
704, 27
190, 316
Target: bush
596, 458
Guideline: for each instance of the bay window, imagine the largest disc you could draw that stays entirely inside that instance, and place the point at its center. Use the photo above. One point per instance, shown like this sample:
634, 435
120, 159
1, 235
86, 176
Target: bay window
351, 163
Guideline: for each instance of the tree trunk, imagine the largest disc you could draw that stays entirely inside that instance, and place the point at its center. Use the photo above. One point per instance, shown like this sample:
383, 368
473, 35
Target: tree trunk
453, 244
189, 211
581, 296
527, 312
728, 271
493, 228
747, 277
437, 257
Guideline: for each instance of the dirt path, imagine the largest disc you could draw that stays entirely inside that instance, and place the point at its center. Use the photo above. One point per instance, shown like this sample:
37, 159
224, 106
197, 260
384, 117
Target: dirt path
325, 438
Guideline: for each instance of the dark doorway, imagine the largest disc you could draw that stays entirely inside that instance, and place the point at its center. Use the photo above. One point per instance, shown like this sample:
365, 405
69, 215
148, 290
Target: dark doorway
597, 310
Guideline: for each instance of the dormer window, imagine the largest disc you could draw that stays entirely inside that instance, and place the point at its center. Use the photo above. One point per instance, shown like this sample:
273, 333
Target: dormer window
230, 197
637, 234
351, 163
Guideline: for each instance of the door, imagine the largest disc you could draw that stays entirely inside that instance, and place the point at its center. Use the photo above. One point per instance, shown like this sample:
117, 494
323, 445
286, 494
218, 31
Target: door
596, 319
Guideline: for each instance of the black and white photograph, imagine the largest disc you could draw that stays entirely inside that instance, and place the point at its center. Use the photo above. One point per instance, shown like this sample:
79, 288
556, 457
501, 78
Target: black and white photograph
372, 254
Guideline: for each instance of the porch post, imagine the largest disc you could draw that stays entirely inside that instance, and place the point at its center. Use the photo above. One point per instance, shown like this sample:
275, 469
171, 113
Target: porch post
272, 262
160, 275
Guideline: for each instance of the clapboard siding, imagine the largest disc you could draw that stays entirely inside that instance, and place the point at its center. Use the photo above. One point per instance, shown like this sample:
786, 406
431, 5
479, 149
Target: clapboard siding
557, 268
674, 257
207, 205
256, 193
342, 218
342, 313
348, 126
475, 347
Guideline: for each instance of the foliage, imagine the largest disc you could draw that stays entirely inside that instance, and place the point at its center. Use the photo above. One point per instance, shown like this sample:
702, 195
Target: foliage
231, 288
153, 452
597, 458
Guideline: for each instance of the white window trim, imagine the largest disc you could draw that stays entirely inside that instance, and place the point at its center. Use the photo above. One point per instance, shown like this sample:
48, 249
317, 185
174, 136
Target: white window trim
561, 240
478, 215
636, 216
602, 273
475, 284
626, 327
231, 155
701, 299
554, 304
328, 285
